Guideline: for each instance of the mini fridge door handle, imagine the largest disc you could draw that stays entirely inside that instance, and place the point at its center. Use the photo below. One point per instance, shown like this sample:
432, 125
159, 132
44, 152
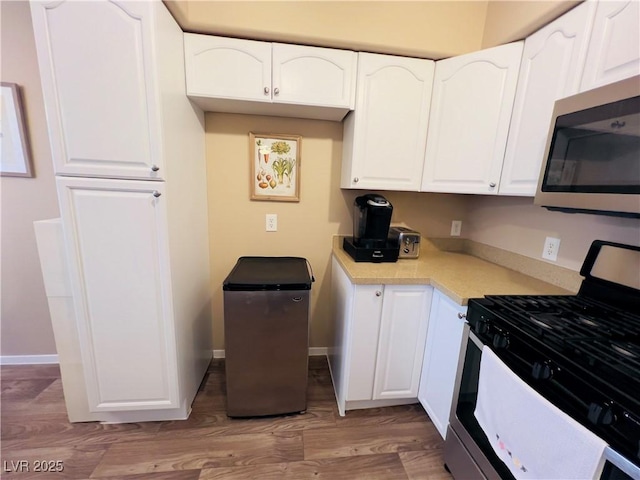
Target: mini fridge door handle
297, 299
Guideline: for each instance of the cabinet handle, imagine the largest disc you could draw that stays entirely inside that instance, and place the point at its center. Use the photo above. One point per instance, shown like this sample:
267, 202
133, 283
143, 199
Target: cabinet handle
356, 180
462, 315
155, 168
378, 293
266, 90
492, 184
156, 193
276, 91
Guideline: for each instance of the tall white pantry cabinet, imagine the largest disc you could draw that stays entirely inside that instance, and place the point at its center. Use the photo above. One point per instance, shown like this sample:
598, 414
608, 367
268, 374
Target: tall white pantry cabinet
128, 153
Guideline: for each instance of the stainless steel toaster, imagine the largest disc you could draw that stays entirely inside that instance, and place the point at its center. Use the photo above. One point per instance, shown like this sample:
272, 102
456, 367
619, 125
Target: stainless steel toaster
407, 240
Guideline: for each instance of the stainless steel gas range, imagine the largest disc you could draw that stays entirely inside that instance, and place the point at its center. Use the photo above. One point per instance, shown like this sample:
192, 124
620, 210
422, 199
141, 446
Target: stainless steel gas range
579, 353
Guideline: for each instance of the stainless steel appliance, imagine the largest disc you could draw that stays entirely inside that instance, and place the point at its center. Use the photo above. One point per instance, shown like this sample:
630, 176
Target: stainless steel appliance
592, 156
408, 241
266, 321
580, 352
371, 220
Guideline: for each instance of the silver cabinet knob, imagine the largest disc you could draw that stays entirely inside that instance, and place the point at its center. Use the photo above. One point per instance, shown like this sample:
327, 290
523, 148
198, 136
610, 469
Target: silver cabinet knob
276, 91
378, 293
462, 315
156, 193
492, 184
266, 90
356, 180
155, 168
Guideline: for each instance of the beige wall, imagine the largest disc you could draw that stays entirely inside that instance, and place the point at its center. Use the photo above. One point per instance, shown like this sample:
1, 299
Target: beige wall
516, 225
427, 29
305, 229
421, 29
507, 21
237, 225
26, 328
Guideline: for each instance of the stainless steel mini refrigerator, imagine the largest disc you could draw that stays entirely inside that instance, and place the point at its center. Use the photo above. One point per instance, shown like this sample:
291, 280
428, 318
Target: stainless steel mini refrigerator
266, 323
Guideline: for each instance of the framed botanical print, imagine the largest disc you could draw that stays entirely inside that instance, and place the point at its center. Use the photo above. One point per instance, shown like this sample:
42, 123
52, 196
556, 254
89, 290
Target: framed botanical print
275, 167
15, 159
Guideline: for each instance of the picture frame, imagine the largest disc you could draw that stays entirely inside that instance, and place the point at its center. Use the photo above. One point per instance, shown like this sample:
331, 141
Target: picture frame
275, 167
15, 154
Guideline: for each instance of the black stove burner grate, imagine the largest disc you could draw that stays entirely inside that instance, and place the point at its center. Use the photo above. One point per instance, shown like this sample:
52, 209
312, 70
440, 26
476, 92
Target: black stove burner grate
602, 339
570, 315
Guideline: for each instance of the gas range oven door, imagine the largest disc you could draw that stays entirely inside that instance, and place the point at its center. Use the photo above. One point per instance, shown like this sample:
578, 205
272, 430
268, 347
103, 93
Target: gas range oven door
467, 452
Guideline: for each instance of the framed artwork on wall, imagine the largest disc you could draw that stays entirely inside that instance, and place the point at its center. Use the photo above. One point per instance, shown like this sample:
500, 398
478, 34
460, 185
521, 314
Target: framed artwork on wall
275, 167
15, 156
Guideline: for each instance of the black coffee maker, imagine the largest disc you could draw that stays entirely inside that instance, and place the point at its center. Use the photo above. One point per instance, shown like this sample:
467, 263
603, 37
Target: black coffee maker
371, 220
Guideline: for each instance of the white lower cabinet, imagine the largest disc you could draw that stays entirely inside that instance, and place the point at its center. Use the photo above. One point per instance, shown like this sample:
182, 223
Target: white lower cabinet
116, 232
403, 332
444, 342
380, 334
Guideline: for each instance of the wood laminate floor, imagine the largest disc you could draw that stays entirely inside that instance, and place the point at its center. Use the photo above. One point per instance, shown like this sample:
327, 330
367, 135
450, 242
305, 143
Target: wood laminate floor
382, 443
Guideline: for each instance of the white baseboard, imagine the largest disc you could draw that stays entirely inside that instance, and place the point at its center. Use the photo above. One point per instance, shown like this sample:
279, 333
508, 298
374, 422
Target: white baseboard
313, 352
53, 359
318, 351
28, 359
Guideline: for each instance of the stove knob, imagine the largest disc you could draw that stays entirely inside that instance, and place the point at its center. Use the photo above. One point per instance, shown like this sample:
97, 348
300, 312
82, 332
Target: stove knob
541, 371
500, 340
482, 327
601, 414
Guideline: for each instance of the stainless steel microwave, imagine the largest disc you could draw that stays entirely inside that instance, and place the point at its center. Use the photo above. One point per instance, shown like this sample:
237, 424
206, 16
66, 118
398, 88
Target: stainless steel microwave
592, 156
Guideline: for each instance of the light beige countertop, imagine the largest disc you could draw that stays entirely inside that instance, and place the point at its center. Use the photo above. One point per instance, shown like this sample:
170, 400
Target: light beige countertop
458, 275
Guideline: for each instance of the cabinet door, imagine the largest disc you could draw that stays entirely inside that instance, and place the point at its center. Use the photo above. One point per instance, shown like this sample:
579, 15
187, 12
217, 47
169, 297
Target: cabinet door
363, 341
470, 113
614, 49
551, 68
97, 68
116, 237
444, 342
227, 68
403, 331
314, 76
384, 139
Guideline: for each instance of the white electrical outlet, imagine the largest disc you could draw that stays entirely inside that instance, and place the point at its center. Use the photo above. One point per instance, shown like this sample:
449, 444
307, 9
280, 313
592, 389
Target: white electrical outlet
456, 227
272, 222
551, 247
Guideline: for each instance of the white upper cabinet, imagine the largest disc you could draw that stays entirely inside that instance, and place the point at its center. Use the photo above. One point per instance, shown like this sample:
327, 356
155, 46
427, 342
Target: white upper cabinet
244, 76
314, 76
385, 137
227, 68
552, 63
471, 108
102, 110
614, 49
